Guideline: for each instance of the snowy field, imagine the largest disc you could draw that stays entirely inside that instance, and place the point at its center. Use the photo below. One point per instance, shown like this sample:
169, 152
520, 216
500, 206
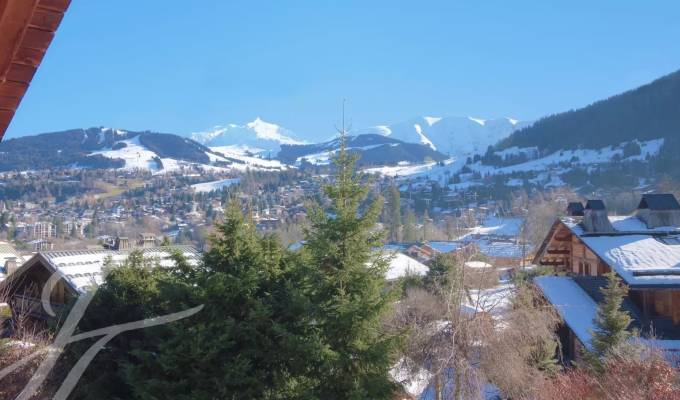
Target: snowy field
208, 187
498, 226
135, 155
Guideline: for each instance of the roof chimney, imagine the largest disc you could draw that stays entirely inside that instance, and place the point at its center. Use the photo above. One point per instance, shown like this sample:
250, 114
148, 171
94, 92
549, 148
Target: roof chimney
659, 209
10, 265
595, 219
575, 209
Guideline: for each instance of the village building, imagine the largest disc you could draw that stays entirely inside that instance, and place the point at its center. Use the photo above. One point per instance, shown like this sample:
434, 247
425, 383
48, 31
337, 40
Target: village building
10, 259
77, 272
643, 249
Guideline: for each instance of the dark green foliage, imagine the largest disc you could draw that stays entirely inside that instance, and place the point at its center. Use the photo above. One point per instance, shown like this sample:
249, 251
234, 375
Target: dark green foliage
410, 227
611, 322
631, 149
350, 296
648, 112
252, 340
394, 213
167, 145
73, 147
131, 292
440, 270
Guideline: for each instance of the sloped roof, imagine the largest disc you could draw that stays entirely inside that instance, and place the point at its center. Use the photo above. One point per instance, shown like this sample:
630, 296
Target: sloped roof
80, 269
595, 205
26, 31
641, 256
575, 208
659, 201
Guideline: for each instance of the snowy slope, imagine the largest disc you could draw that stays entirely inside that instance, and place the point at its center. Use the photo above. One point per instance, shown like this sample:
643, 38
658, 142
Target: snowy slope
135, 155
257, 136
245, 157
456, 136
208, 187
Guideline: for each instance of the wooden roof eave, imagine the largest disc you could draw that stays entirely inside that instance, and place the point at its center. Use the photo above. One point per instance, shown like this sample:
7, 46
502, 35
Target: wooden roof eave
27, 28
546, 241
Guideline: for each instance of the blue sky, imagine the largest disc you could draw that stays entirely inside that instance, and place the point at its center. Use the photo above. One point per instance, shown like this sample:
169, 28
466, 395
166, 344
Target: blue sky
177, 66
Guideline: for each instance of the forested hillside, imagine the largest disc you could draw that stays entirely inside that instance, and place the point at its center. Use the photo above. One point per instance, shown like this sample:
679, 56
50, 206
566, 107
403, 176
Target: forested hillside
78, 147
648, 112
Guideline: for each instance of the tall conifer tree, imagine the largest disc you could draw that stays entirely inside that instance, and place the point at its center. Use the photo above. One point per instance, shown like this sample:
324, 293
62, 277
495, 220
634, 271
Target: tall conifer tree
350, 295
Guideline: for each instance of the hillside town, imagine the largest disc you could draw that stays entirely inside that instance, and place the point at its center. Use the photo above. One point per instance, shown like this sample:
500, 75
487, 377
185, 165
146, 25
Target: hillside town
429, 257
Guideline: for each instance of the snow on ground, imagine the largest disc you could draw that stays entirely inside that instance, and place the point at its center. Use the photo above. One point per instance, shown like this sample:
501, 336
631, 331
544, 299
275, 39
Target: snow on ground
478, 265
575, 157
135, 155
247, 157
549, 167
414, 380
324, 157
407, 169
207, 187
502, 248
498, 226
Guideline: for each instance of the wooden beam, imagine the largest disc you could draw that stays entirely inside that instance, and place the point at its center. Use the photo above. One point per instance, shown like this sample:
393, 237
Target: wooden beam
55, 5
13, 25
47, 20
558, 251
21, 73
554, 263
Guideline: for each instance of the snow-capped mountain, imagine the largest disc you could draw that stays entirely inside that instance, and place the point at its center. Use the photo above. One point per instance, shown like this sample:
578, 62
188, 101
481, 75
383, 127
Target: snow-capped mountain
257, 136
456, 136
121, 149
373, 150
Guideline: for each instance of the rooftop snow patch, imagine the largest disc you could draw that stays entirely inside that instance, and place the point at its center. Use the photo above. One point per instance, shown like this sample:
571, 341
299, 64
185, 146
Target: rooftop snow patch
401, 266
577, 309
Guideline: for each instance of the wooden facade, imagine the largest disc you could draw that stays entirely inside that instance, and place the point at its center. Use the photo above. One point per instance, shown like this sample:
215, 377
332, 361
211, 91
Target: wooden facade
26, 31
25, 290
566, 252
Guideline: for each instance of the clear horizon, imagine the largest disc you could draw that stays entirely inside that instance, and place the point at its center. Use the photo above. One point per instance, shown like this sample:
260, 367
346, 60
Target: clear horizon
168, 68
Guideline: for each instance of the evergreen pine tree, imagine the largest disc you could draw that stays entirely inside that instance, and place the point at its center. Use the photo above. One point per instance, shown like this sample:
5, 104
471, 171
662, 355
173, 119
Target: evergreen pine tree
395, 213
611, 322
350, 294
252, 339
410, 228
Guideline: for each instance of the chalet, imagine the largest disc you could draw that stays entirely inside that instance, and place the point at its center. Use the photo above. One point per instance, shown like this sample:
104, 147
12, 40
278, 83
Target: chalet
422, 252
642, 248
78, 271
146, 240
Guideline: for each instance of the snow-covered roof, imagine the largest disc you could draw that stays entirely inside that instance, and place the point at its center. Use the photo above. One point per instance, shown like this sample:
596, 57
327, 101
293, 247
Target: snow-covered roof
576, 308
402, 266
499, 226
640, 255
83, 268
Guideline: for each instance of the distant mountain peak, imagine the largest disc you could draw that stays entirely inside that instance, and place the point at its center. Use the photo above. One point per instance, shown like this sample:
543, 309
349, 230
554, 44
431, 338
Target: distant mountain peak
258, 134
432, 120
480, 121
